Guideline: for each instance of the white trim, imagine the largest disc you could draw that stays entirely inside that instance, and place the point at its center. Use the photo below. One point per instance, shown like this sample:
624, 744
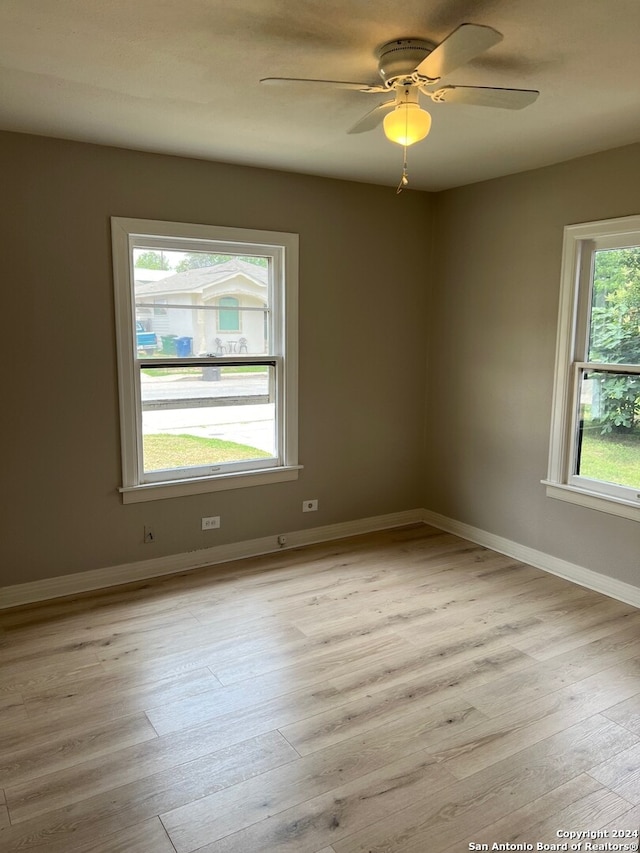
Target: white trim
593, 500
561, 568
128, 391
283, 249
576, 280
609, 233
203, 485
565, 345
27, 593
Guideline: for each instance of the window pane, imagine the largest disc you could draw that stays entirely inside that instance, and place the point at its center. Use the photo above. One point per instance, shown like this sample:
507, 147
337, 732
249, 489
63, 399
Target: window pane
614, 336
207, 415
608, 446
218, 304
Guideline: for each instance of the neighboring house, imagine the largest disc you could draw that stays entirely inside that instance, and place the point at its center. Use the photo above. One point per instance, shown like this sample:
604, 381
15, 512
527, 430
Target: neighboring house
232, 299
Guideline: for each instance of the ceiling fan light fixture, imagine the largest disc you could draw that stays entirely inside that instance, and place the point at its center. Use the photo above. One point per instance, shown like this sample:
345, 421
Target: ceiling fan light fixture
407, 124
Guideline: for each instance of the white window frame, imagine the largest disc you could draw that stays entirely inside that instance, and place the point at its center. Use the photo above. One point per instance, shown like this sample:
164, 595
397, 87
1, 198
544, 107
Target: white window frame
282, 248
581, 241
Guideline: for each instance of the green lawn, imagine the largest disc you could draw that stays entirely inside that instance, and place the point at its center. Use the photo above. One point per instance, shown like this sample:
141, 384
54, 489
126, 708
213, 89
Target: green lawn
165, 371
173, 451
611, 458
247, 368
197, 371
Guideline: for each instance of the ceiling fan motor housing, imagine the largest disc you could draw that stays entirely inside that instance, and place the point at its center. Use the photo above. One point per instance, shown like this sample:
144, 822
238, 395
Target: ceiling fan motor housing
398, 59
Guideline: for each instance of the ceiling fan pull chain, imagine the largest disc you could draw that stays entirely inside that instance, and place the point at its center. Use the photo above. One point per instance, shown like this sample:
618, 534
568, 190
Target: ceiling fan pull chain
404, 180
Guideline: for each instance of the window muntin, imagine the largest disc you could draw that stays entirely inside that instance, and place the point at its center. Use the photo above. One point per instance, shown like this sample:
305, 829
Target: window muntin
231, 394
595, 438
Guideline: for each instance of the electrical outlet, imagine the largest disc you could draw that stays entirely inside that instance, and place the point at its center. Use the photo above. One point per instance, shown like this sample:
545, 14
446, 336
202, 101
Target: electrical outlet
212, 522
149, 534
309, 506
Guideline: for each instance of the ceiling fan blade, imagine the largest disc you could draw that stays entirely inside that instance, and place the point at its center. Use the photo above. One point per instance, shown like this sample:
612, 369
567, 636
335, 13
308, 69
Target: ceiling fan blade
333, 84
462, 45
373, 118
484, 96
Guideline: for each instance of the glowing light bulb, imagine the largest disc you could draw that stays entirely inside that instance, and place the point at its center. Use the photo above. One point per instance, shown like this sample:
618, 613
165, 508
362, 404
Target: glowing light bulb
407, 124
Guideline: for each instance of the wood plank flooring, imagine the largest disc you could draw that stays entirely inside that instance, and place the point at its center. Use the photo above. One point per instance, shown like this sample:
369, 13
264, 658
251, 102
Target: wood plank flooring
399, 692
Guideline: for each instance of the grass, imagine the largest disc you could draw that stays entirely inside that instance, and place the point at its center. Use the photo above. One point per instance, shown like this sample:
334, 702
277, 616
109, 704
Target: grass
249, 368
611, 458
166, 371
197, 371
175, 451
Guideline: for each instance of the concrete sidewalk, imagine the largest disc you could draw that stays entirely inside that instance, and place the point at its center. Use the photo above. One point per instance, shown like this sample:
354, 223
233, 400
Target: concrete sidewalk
253, 425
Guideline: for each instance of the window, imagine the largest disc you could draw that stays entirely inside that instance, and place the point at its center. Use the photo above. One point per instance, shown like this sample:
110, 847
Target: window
201, 408
595, 433
229, 315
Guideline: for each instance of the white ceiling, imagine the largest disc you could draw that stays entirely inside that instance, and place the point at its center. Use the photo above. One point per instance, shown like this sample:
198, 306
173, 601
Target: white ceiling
181, 77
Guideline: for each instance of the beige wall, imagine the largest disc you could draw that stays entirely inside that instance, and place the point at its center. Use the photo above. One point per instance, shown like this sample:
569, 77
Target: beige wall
374, 305
491, 356
364, 277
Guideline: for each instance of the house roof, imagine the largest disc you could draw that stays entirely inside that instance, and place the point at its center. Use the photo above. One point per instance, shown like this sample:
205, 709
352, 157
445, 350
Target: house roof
142, 274
198, 280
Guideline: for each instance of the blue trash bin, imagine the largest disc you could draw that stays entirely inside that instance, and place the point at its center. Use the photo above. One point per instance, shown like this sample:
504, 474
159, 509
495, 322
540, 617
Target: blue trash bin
184, 347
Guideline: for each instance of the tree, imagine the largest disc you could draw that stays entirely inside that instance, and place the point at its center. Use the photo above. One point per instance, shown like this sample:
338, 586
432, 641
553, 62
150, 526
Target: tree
615, 335
152, 261
197, 260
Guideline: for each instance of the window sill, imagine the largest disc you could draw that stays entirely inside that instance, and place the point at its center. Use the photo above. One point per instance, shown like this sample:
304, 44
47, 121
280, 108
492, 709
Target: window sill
593, 500
203, 485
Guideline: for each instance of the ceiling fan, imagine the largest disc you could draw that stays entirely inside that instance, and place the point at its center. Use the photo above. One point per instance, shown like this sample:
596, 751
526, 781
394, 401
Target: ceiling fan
410, 67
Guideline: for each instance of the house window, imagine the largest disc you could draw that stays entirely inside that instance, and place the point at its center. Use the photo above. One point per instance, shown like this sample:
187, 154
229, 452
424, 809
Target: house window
197, 416
229, 315
595, 434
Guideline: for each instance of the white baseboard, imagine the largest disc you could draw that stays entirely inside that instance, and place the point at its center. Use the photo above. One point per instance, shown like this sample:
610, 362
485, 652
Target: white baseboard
27, 593
562, 568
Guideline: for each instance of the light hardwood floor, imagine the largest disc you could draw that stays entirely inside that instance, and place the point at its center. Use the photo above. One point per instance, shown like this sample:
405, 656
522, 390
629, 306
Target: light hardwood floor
399, 692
